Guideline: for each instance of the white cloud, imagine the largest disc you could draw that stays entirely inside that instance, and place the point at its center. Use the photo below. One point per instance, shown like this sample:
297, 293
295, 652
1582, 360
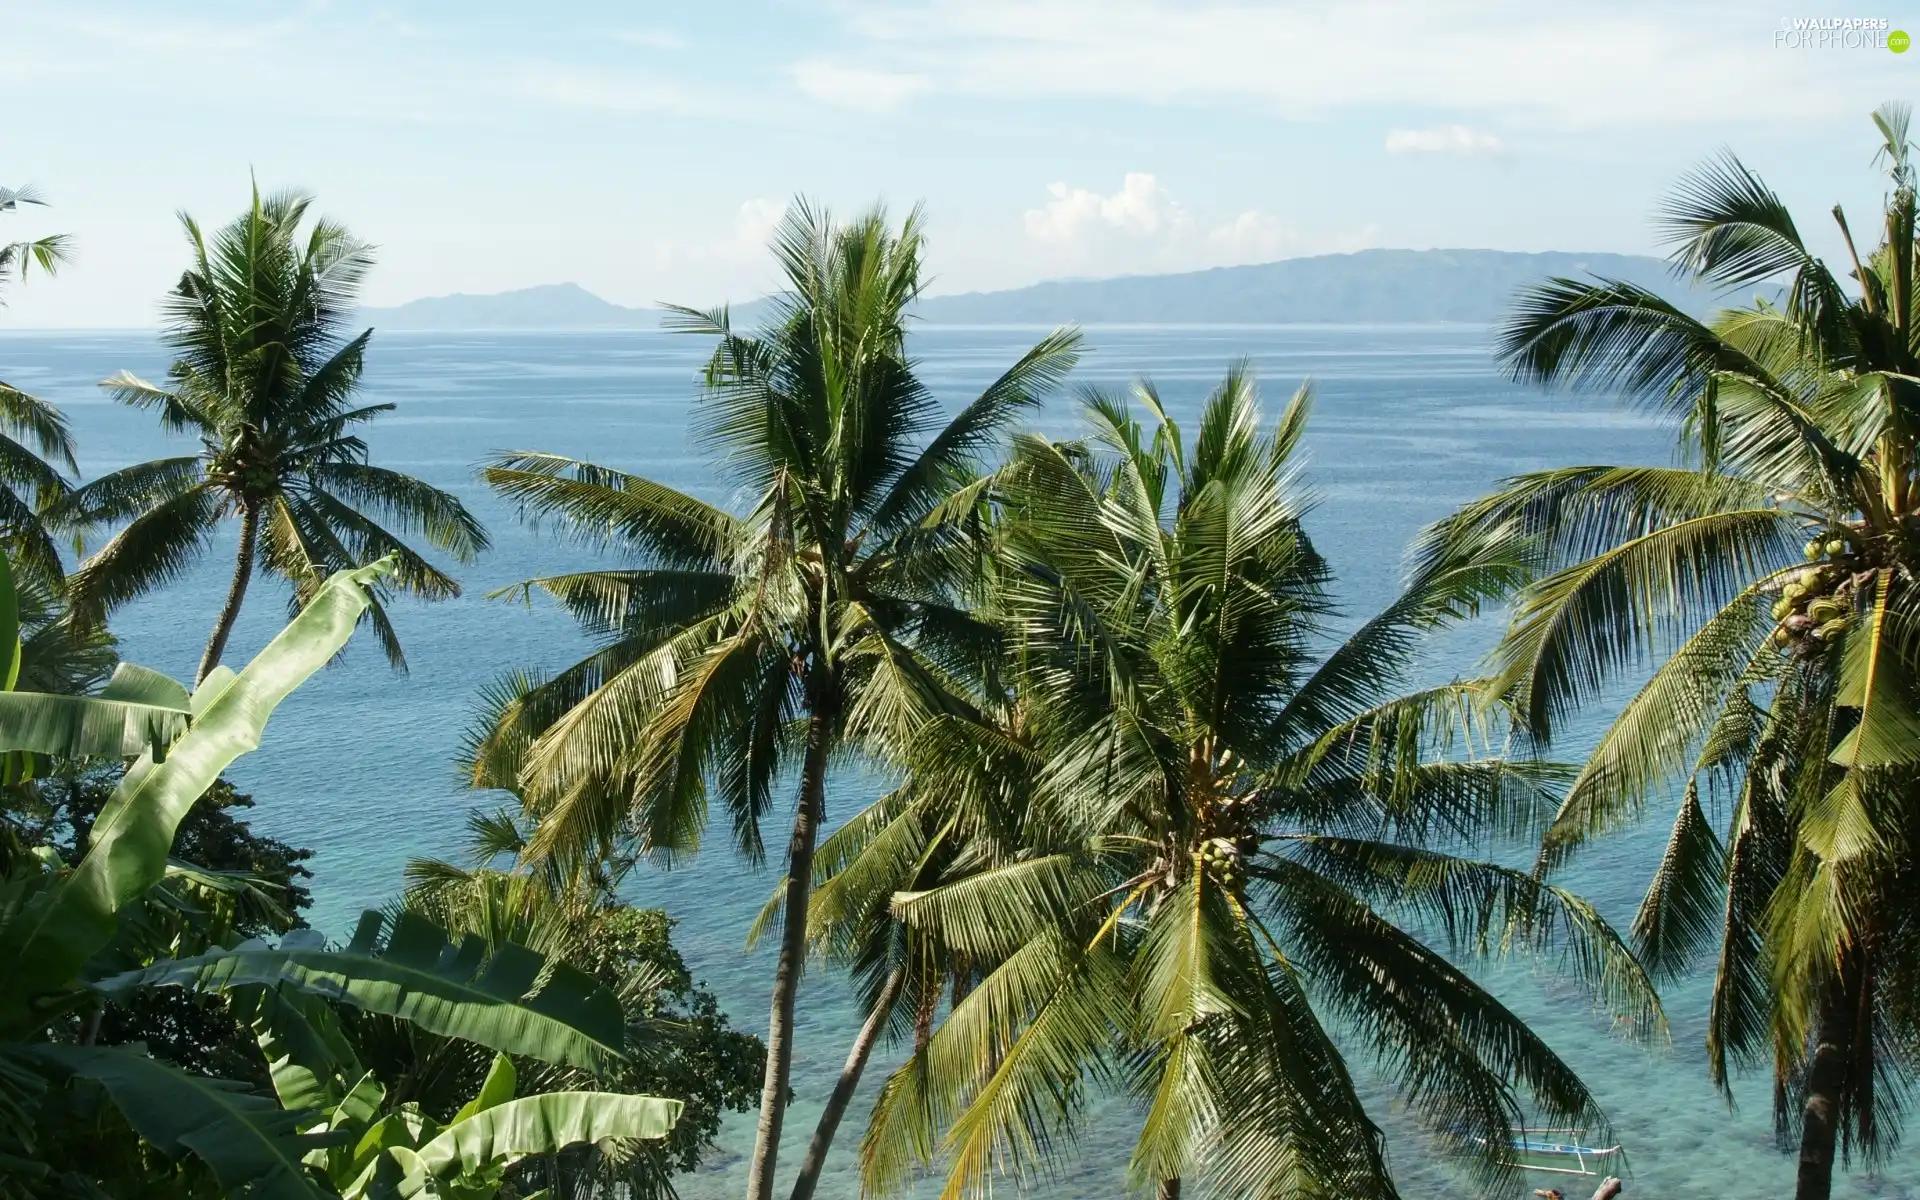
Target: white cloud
1141, 207
732, 260
1463, 140
175, 34
1263, 237
304, 63
652, 39
741, 243
1629, 63
855, 87
1142, 227
575, 87
754, 223
1251, 236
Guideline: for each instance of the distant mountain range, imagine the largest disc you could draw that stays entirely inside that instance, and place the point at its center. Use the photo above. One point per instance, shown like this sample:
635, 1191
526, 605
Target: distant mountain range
1369, 287
549, 306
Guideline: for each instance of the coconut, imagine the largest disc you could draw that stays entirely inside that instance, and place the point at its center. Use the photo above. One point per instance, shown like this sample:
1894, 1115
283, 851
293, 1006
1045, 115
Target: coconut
1825, 609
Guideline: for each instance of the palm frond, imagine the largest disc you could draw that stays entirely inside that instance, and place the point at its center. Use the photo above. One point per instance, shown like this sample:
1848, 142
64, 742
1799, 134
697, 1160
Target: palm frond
1462, 1059
1728, 227
600, 505
124, 494
178, 413
956, 453
1654, 739
41, 423
1577, 628
413, 506
154, 549
1680, 912
1486, 909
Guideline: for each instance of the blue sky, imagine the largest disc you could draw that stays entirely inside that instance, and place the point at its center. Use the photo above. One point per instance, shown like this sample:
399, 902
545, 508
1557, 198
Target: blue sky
643, 150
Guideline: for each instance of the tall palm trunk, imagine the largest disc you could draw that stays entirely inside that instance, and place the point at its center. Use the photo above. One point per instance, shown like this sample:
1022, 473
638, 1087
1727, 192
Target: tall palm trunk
1167, 1189
1820, 1116
843, 1089
236, 593
793, 953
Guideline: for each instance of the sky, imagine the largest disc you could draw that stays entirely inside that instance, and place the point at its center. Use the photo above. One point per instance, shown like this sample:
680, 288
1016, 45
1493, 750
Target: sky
645, 150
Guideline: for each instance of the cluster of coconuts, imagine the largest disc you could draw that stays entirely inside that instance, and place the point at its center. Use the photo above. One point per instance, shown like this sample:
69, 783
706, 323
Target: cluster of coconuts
1221, 858
1223, 854
1813, 610
250, 475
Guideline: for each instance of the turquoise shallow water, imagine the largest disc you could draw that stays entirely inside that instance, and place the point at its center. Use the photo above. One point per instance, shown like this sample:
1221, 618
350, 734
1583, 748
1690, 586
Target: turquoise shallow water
357, 765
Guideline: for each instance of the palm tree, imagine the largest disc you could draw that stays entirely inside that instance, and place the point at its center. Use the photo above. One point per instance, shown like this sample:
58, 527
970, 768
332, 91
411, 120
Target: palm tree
28, 483
904, 841
1193, 839
1780, 712
266, 377
19, 258
821, 624
57, 656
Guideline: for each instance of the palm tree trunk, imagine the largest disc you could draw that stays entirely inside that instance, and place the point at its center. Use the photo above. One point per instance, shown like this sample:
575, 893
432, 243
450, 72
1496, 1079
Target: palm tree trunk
793, 954
1168, 1189
1820, 1116
923, 1015
236, 593
843, 1089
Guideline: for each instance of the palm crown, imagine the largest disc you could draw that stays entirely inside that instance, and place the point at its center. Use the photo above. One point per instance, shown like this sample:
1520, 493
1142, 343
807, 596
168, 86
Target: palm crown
823, 621
1770, 583
265, 377
31, 430
1187, 839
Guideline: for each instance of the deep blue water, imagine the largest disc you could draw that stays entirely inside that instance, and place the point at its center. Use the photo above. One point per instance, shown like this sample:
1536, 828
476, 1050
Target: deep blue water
358, 764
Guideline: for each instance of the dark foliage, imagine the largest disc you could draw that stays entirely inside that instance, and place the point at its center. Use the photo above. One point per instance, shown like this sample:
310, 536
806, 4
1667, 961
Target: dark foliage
193, 1032
87, 1140
698, 1056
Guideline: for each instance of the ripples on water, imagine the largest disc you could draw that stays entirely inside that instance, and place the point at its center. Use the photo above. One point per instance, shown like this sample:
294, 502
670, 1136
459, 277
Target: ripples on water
358, 765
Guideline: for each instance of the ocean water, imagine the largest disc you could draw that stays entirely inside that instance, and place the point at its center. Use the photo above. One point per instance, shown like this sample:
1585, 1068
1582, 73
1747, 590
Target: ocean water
358, 764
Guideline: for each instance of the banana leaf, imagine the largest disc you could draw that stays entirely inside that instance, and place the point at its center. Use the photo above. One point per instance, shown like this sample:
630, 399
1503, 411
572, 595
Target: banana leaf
9, 627
47, 944
537, 1125
513, 1000
308, 1058
139, 710
249, 1143
496, 1089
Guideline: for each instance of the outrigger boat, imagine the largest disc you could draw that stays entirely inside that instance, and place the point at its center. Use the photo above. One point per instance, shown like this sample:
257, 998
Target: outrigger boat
1558, 1151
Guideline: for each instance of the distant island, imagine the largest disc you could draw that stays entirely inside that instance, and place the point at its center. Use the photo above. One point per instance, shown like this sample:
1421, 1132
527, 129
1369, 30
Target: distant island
550, 306
1367, 287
